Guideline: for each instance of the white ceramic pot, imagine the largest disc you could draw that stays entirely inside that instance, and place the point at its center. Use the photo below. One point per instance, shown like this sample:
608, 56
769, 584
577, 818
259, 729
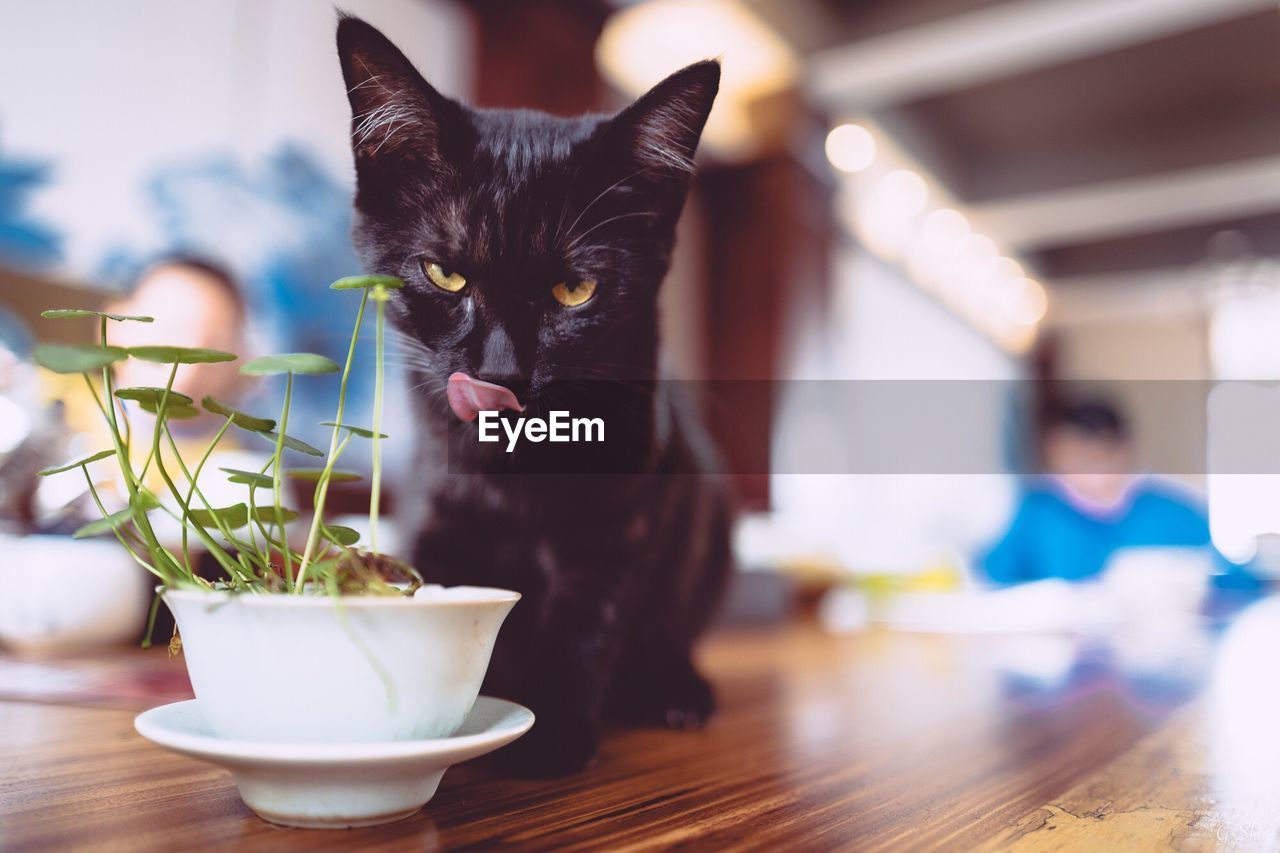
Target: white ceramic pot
59, 594
314, 669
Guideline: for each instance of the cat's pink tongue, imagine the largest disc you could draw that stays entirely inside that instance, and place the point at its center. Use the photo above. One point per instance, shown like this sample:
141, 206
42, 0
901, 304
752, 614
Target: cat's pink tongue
469, 397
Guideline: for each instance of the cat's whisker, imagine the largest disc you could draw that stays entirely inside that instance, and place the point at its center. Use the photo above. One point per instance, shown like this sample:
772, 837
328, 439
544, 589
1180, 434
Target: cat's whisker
399, 343
583, 235
386, 115
373, 78
385, 119
406, 346
600, 373
402, 337
385, 138
593, 201
410, 365
434, 396
411, 360
406, 352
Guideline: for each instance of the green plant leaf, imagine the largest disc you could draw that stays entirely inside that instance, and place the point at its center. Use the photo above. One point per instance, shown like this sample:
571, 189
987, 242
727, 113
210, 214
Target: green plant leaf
153, 396
293, 443
101, 454
267, 514
77, 313
104, 525
181, 355
236, 515
179, 411
339, 535
239, 418
145, 502
248, 478
311, 475
77, 358
290, 362
362, 282
355, 430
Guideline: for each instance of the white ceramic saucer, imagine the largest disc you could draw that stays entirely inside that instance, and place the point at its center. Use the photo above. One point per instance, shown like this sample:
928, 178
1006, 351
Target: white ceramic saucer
333, 785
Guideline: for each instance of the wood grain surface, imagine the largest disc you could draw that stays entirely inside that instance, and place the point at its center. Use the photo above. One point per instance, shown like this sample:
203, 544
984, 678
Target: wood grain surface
876, 741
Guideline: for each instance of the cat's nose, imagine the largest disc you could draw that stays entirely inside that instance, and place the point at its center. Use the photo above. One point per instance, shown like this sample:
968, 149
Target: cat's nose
498, 361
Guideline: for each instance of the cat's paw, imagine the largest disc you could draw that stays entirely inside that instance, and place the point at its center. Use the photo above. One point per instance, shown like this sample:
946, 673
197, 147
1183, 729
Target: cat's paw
679, 699
557, 745
688, 702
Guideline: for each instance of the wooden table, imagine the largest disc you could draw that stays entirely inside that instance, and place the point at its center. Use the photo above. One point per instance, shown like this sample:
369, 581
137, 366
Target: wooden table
873, 741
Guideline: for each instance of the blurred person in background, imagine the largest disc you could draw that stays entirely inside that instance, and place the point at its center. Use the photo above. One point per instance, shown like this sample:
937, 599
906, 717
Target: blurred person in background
195, 303
1092, 504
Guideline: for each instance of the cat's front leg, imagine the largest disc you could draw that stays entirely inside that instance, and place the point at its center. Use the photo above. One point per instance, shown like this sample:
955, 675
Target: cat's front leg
565, 674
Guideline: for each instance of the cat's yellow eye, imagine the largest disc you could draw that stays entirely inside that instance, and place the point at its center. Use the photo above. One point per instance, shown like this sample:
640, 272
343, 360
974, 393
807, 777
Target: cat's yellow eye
575, 295
450, 281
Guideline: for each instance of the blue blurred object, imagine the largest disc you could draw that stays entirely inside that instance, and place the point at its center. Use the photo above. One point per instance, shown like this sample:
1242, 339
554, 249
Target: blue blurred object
1051, 537
14, 334
24, 243
282, 227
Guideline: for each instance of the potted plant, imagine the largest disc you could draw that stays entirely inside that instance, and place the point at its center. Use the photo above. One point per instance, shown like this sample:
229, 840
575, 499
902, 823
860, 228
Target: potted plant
307, 640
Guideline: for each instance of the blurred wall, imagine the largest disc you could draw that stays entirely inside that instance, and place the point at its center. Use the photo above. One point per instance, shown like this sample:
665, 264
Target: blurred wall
133, 86
1145, 335
890, 329
882, 327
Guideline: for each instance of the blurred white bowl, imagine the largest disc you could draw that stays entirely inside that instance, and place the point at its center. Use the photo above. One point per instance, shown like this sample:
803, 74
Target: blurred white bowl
1152, 582
60, 594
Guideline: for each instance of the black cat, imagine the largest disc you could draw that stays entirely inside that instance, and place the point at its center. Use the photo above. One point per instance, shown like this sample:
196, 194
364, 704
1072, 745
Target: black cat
532, 248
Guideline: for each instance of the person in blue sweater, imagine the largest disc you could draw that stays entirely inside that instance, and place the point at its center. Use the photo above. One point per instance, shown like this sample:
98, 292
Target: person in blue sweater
1091, 504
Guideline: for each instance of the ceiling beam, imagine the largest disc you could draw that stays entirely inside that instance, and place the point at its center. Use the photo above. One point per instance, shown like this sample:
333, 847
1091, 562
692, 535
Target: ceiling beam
1135, 206
999, 41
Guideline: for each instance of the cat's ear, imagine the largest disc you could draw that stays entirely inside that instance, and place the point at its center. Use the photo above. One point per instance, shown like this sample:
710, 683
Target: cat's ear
661, 130
394, 111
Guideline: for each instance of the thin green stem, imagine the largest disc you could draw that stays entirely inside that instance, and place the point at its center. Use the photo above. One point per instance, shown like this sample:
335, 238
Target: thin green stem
245, 556
132, 484
277, 479
264, 553
186, 554
151, 620
159, 431
204, 535
283, 543
97, 499
93, 392
224, 559
128, 425
322, 485
375, 485
146, 466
